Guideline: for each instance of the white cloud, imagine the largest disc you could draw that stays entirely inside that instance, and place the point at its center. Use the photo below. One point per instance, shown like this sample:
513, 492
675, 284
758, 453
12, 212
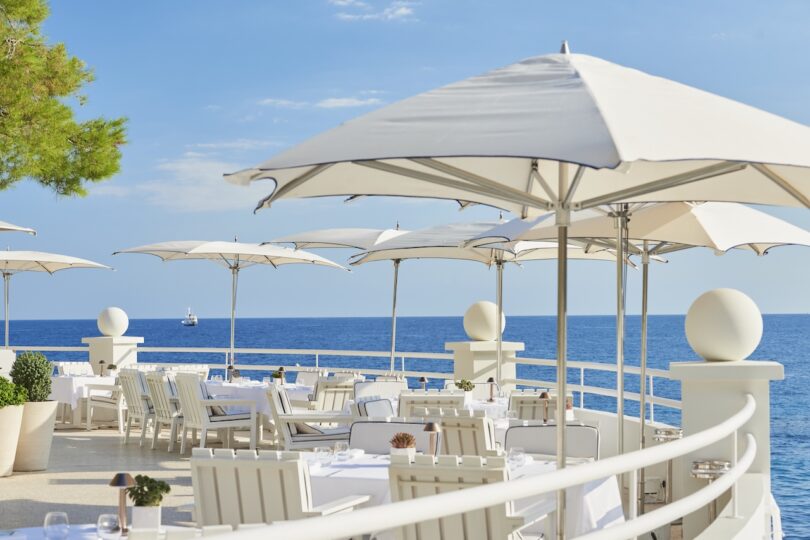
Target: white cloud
396, 11
336, 103
283, 103
237, 144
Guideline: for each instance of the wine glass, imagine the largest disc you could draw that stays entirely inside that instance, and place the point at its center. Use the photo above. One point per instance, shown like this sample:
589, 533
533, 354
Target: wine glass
56, 526
108, 527
342, 450
323, 454
516, 457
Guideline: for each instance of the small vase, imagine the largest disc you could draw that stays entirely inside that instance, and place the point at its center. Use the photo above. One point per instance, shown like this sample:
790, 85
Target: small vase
410, 452
146, 517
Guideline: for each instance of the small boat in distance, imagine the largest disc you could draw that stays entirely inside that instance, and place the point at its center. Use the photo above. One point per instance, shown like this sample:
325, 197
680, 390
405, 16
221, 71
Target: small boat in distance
190, 320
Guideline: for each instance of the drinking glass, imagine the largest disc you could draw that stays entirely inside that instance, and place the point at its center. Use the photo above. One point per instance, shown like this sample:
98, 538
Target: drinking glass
342, 450
324, 455
56, 526
108, 527
516, 457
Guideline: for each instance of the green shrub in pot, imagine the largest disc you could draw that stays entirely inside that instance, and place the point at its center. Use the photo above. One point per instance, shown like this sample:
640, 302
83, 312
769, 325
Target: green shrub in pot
11, 394
32, 371
12, 398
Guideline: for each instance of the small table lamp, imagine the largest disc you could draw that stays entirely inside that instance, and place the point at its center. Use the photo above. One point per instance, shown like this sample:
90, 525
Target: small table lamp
433, 428
229, 373
282, 370
122, 481
491, 382
101, 367
423, 382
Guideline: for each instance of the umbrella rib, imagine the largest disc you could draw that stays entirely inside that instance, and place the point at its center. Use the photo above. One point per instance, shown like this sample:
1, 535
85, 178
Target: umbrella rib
292, 185
777, 179
574, 185
535, 175
696, 175
479, 180
38, 263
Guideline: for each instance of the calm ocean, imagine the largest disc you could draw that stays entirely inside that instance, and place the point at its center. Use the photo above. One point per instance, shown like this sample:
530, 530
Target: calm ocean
591, 338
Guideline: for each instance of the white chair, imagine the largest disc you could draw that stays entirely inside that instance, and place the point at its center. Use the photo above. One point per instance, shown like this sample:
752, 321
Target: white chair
105, 396
295, 428
333, 395
374, 436
139, 405
390, 376
309, 377
246, 487
180, 533
530, 405
166, 406
375, 408
480, 389
378, 389
216, 530
201, 412
581, 441
467, 433
409, 401
429, 475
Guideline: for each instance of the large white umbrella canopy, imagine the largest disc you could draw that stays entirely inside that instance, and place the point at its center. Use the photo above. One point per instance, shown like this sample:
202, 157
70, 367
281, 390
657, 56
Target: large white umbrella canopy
14, 262
355, 238
10, 227
233, 255
450, 242
560, 132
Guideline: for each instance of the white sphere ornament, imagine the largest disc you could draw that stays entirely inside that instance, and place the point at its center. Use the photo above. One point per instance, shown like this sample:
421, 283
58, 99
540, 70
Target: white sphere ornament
724, 325
480, 321
113, 322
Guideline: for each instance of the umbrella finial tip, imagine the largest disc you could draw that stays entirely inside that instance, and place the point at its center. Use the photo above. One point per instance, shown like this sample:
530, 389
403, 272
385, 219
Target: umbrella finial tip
397, 225
564, 48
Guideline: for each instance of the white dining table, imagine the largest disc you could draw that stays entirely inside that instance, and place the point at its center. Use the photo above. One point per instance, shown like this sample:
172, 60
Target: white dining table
82, 531
71, 389
591, 506
254, 391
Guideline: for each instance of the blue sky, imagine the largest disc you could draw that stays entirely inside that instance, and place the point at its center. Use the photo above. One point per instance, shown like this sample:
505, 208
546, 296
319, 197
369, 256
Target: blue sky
211, 86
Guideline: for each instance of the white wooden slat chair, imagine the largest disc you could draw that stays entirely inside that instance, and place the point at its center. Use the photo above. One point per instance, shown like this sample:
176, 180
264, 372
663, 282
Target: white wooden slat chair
390, 376
581, 441
374, 436
105, 396
333, 395
309, 377
139, 404
379, 389
466, 433
531, 405
203, 413
429, 475
166, 404
246, 487
410, 401
300, 430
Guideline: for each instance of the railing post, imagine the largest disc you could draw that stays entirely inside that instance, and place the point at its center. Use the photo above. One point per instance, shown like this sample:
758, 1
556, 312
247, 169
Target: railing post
652, 400
735, 510
402, 364
633, 496
582, 388
317, 360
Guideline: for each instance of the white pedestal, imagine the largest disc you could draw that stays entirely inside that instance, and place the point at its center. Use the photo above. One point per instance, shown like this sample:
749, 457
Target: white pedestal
710, 393
121, 351
476, 361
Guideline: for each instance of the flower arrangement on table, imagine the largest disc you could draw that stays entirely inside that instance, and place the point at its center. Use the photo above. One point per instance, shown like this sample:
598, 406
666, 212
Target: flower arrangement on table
465, 385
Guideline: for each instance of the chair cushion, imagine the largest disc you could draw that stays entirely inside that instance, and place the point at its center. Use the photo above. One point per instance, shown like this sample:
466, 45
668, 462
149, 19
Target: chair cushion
229, 417
216, 410
306, 429
336, 434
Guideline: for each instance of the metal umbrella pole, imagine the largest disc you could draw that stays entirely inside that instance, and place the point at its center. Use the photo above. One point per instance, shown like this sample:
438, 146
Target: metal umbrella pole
562, 217
234, 280
499, 299
6, 280
394, 315
642, 401
621, 238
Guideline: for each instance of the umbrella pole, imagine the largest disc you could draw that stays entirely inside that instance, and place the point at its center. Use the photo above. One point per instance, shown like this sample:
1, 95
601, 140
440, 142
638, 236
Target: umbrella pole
562, 217
621, 228
394, 316
234, 280
6, 280
499, 299
642, 392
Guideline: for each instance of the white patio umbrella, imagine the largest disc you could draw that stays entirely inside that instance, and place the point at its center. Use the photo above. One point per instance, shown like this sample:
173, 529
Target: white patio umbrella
14, 262
356, 238
10, 227
233, 255
560, 132
659, 229
448, 242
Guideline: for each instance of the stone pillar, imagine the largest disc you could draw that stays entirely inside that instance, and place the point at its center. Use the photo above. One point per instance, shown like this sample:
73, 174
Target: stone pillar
710, 393
476, 361
113, 347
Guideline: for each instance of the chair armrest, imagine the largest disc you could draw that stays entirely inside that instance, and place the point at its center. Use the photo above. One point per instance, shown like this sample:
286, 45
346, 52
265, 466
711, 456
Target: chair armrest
317, 418
339, 505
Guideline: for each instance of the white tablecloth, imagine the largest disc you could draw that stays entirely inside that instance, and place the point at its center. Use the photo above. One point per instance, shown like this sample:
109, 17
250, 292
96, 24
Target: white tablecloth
591, 506
255, 391
70, 389
83, 531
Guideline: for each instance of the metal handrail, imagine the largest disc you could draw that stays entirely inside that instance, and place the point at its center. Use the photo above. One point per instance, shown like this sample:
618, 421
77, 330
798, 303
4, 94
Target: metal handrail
412, 511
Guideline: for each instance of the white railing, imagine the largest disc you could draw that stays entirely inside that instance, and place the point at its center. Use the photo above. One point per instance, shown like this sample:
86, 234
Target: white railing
404, 513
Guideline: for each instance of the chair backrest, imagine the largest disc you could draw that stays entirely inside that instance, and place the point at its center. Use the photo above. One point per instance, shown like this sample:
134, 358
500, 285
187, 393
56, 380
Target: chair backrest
161, 390
136, 393
428, 475
374, 436
390, 376
480, 389
379, 389
246, 487
467, 433
280, 404
308, 377
581, 441
530, 406
375, 408
408, 401
333, 395
191, 393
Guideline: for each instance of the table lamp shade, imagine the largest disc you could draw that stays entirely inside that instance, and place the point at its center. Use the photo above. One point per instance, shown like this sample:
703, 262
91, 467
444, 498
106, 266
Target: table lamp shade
122, 480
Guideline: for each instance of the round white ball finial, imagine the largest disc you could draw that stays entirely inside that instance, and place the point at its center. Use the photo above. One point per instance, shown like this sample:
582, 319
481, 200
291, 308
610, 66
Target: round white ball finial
724, 325
480, 321
113, 322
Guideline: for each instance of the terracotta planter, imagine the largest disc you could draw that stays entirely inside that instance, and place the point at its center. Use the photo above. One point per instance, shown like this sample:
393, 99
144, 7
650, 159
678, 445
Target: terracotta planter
146, 517
36, 435
10, 420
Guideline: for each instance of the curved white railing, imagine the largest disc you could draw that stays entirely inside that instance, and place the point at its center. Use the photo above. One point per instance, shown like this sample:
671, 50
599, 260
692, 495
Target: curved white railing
447, 504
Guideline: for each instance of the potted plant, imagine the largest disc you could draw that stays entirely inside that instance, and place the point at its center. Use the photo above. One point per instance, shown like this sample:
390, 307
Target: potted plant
403, 444
12, 398
32, 371
467, 387
146, 496
278, 377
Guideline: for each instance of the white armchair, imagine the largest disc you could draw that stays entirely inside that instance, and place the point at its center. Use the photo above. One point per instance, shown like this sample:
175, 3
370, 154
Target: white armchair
300, 429
105, 396
139, 405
